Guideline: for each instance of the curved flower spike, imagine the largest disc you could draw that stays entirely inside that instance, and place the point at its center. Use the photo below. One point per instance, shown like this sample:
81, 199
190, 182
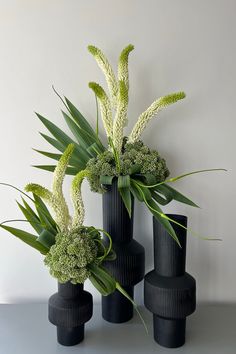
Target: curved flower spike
105, 66
123, 73
105, 106
77, 200
155, 107
121, 116
55, 199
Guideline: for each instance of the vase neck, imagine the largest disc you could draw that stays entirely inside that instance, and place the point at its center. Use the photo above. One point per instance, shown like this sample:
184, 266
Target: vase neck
116, 220
69, 290
169, 257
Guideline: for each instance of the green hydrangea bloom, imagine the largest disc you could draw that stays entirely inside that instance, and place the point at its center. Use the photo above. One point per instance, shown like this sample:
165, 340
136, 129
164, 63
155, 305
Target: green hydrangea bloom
132, 154
69, 256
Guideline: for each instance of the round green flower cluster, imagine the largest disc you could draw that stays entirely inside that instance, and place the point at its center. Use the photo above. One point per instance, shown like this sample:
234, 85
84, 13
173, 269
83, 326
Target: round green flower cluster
133, 154
69, 256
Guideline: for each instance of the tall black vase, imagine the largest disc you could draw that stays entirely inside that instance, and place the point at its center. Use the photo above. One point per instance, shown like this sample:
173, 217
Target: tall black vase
69, 309
169, 292
128, 268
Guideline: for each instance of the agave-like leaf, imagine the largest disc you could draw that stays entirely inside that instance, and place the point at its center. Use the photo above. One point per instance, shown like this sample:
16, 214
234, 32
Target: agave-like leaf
64, 139
160, 216
179, 197
26, 237
81, 121
44, 215
101, 279
83, 139
55, 143
33, 220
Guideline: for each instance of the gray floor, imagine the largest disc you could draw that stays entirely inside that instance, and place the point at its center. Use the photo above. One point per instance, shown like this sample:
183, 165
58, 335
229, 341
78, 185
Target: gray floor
24, 329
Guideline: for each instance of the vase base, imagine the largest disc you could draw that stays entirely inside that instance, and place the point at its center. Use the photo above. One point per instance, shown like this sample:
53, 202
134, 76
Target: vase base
70, 336
116, 308
169, 333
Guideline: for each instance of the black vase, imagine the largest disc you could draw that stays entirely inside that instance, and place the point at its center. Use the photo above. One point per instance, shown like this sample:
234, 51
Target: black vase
169, 292
69, 310
128, 268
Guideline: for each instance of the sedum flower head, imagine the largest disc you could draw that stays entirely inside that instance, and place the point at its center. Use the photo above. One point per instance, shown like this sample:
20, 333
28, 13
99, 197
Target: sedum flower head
105, 106
155, 107
104, 64
69, 257
137, 153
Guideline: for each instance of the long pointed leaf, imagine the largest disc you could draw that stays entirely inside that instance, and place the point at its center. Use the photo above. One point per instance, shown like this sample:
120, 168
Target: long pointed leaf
26, 237
159, 215
179, 196
34, 221
55, 143
64, 139
126, 197
80, 120
84, 140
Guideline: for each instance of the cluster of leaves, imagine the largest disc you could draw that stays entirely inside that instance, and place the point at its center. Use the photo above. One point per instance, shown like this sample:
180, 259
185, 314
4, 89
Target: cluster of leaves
135, 157
39, 218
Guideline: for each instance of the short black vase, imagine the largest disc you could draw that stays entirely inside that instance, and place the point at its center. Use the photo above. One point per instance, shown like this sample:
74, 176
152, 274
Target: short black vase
128, 267
69, 309
169, 292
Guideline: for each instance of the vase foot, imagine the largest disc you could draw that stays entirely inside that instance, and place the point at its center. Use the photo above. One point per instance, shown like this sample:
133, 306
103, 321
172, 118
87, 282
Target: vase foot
169, 333
116, 308
70, 336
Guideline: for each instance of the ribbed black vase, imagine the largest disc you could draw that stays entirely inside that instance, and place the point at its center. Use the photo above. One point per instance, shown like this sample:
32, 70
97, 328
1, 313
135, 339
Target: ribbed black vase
69, 309
128, 268
169, 292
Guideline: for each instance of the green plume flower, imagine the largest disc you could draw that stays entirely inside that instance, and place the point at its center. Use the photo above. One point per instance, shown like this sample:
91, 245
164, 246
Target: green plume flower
56, 199
155, 107
77, 200
121, 116
123, 72
104, 64
105, 106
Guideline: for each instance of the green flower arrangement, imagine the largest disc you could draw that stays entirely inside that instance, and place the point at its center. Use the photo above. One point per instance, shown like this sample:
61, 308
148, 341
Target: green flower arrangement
73, 252
140, 172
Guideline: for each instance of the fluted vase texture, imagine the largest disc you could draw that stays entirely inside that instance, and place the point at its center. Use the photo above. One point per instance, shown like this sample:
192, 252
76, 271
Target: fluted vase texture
69, 309
169, 292
128, 268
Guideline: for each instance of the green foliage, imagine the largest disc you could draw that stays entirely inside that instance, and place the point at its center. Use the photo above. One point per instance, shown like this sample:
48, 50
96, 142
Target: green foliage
135, 155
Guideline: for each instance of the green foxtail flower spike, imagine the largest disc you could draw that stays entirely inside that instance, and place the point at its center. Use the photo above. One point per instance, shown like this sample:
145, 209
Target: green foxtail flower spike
55, 199
121, 116
105, 66
77, 200
123, 72
155, 107
105, 106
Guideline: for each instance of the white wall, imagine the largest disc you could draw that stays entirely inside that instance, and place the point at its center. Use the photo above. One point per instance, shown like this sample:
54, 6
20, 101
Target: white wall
180, 45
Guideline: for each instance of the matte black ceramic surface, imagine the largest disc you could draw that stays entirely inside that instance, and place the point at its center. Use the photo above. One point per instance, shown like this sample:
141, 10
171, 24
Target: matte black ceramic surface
169, 292
128, 268
69, 309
